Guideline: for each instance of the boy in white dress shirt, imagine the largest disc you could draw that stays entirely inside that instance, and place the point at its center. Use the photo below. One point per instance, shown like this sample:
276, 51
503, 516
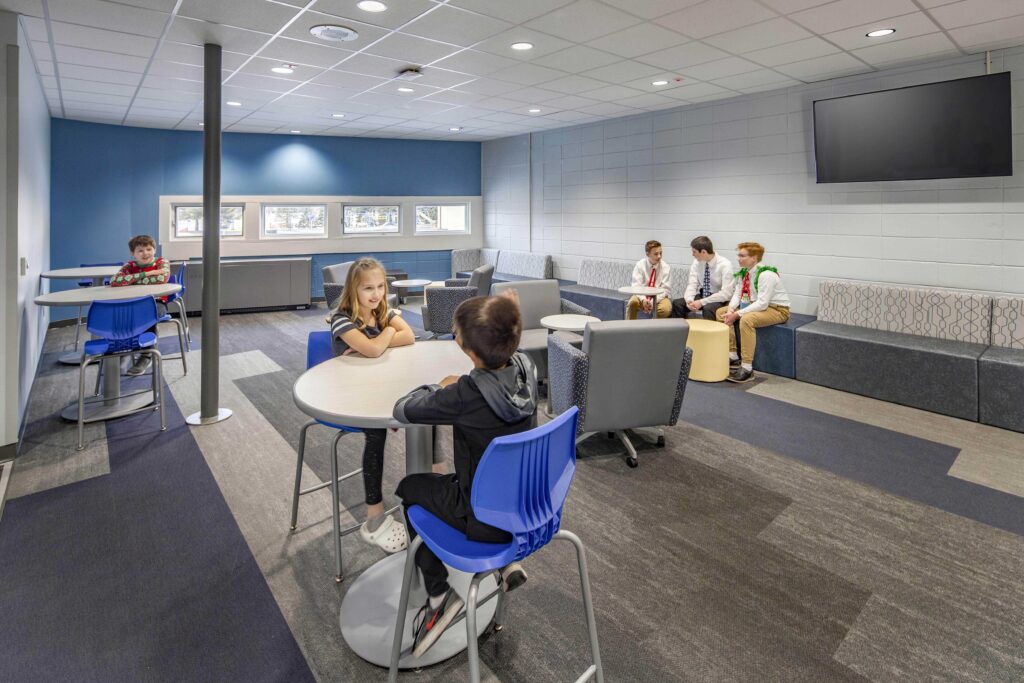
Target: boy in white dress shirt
709, 286
758, 300
651, 271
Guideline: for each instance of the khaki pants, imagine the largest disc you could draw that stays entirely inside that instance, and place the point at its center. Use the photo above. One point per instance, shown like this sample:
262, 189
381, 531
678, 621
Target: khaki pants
748, 323
664, 307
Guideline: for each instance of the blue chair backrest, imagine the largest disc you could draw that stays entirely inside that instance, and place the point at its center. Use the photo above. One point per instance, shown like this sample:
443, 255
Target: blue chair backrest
121, 322
318, 348
523, 479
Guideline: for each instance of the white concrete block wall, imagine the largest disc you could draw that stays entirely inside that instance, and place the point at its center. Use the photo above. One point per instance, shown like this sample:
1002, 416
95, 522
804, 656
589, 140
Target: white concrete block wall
743, 169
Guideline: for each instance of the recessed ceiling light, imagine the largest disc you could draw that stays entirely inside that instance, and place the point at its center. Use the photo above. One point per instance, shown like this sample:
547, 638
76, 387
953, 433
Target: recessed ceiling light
534, 111
881, 32
522, 46
371, 6
455, 129
659, 82
296, 131
284, 69
332, 33
338, 116
405, 90
232, 103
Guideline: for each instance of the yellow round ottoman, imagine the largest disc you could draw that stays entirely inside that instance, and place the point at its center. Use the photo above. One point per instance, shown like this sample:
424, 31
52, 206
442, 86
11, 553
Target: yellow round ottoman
709, 340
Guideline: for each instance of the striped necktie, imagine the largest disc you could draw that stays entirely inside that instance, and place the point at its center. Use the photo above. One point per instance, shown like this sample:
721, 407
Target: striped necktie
707, 280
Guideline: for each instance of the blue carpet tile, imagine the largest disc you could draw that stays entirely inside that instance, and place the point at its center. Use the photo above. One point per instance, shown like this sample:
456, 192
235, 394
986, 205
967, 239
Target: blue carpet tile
142, 574
905, 465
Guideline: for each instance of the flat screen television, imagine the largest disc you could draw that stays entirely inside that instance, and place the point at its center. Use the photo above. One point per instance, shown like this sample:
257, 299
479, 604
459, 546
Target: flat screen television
952, 129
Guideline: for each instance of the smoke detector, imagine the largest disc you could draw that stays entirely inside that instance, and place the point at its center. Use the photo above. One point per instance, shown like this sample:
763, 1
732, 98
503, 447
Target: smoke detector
410, 74
333, 33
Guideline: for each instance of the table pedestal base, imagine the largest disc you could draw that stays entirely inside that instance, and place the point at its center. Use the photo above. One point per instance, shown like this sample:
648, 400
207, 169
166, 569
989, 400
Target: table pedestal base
108, 410
70, 358
371, 605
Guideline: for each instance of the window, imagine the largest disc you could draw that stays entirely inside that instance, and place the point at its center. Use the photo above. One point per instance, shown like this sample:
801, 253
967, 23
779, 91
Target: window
371, 220
295, 221
441, 218
188, 221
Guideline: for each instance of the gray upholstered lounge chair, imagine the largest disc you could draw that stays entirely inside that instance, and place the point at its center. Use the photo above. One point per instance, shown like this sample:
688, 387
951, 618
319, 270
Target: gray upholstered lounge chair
334, 282
539, 298
629, 374
441, 302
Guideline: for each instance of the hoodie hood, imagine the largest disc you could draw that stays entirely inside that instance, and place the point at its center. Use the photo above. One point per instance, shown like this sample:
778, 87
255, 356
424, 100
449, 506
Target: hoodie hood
511, 392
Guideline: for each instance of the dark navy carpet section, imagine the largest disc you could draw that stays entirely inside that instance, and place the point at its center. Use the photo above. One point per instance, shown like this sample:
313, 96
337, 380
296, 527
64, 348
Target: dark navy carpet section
905, 465
142, 574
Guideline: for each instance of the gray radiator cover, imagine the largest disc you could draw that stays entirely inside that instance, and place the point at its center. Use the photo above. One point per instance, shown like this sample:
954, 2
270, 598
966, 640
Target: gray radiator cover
253, 283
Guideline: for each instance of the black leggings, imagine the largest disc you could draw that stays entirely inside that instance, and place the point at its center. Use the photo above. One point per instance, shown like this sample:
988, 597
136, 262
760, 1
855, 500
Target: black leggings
373, 464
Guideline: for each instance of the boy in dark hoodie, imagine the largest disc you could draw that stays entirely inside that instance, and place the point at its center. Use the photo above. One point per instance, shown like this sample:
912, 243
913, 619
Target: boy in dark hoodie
498, 397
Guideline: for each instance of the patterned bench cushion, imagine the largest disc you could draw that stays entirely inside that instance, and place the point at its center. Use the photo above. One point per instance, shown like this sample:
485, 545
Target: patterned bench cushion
1008, 322
937, 313
525, 264
465, 260
605, 274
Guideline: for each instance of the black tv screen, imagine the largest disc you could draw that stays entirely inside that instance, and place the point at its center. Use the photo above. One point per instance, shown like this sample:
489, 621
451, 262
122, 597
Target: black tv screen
952, 129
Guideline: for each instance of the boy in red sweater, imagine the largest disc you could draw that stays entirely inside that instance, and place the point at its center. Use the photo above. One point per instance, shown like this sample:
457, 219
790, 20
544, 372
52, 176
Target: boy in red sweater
144, 269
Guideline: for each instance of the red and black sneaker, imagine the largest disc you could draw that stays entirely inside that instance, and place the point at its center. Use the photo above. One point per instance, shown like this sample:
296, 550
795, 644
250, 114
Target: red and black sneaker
430, 622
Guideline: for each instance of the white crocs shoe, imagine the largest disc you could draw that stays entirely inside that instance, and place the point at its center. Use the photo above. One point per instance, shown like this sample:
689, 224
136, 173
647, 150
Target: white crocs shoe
390, 536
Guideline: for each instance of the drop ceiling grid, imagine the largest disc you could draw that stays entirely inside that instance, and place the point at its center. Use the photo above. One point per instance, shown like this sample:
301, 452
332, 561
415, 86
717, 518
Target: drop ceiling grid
593, 60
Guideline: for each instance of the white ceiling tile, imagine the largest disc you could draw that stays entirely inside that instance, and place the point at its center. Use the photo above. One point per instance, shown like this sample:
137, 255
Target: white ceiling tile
326, 92
646, 84
694, 91
527, 74
753, 79
250, 80
72, 106
195, 54
299, 30
991, 35
83, 98
74, 84
488, 87
608, 109
391, 89
88, 73
649, 9
44, 68
720, 68
100, 39
612, 93
391, 100
792, 52
517, 12
257, 66
976, 12
534, 95
371, 65
638, 40
715, 16
174, 70
543, 44
682, 56
920, 47
648, 101
576, 58
411, 49
248, 97
583, 20
196, 32
758, 36
172, 85
456, 26
620, 72
927, 4
570, 102
475, 63
301, 52
494, 104
442, 78
30, 8
99, 59
394, 16
153, 94
109, 16
265, 17
345, 79
456, 97
907, 26
790, 6
573, 84
820, 68
36, 29
846, 13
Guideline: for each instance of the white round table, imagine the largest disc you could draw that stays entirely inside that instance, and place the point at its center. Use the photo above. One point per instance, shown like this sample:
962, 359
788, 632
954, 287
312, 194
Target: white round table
356, 391
567, 322
95, 273
408, 284
641, 290
113, 405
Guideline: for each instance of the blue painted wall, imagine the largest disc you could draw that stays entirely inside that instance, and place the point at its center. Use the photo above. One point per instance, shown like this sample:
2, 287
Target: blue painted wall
106, 182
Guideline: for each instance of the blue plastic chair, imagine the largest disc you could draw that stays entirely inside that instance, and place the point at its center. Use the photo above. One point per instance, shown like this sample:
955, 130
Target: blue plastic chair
179, 299
88, 282
318, 350
520, 486
122, 328
181, 322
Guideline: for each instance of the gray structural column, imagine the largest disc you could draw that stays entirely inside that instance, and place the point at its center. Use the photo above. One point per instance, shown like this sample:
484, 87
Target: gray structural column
209, 410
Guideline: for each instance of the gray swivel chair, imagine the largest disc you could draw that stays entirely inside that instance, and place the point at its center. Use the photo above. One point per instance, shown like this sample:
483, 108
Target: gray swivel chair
629, 374
539, 298
441, 302
334, 282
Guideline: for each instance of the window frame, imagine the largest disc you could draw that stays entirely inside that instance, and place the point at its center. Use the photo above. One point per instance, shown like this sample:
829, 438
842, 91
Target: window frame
268, 205
467, 212
189, 205
375, 233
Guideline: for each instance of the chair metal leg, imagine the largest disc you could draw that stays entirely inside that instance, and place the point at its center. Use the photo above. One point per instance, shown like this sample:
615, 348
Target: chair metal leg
298, 472
631, 458
588, 604
335, 504
99, 376
403, 607
472, 646
182, 346
81, 402
183, 316
158, 378
499, 611
78, 327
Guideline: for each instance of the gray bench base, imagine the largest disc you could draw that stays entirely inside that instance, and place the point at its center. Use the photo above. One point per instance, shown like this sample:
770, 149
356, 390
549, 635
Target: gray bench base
932, 374
606, 304
1001, 388
776, 346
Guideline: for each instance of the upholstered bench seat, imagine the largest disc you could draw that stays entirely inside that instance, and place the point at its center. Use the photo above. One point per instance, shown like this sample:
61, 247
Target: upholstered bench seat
606, 304
776, 346
1001, 388
939, 375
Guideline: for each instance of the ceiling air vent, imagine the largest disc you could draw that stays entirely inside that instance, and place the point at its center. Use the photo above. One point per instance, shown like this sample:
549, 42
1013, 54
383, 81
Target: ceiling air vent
334, 34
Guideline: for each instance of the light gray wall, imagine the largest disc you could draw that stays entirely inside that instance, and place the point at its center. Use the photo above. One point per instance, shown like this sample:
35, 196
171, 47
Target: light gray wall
743, 169
8, 229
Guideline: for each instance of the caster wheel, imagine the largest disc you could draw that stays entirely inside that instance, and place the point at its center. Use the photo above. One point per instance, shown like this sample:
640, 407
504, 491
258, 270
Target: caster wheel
632, 462
339, 579
498, 627
293, 528
661, 442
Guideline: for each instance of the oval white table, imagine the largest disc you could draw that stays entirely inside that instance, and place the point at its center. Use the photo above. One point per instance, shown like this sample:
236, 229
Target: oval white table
361, 392
567, 322
641, 290
95, 273
402, 287
112, 405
